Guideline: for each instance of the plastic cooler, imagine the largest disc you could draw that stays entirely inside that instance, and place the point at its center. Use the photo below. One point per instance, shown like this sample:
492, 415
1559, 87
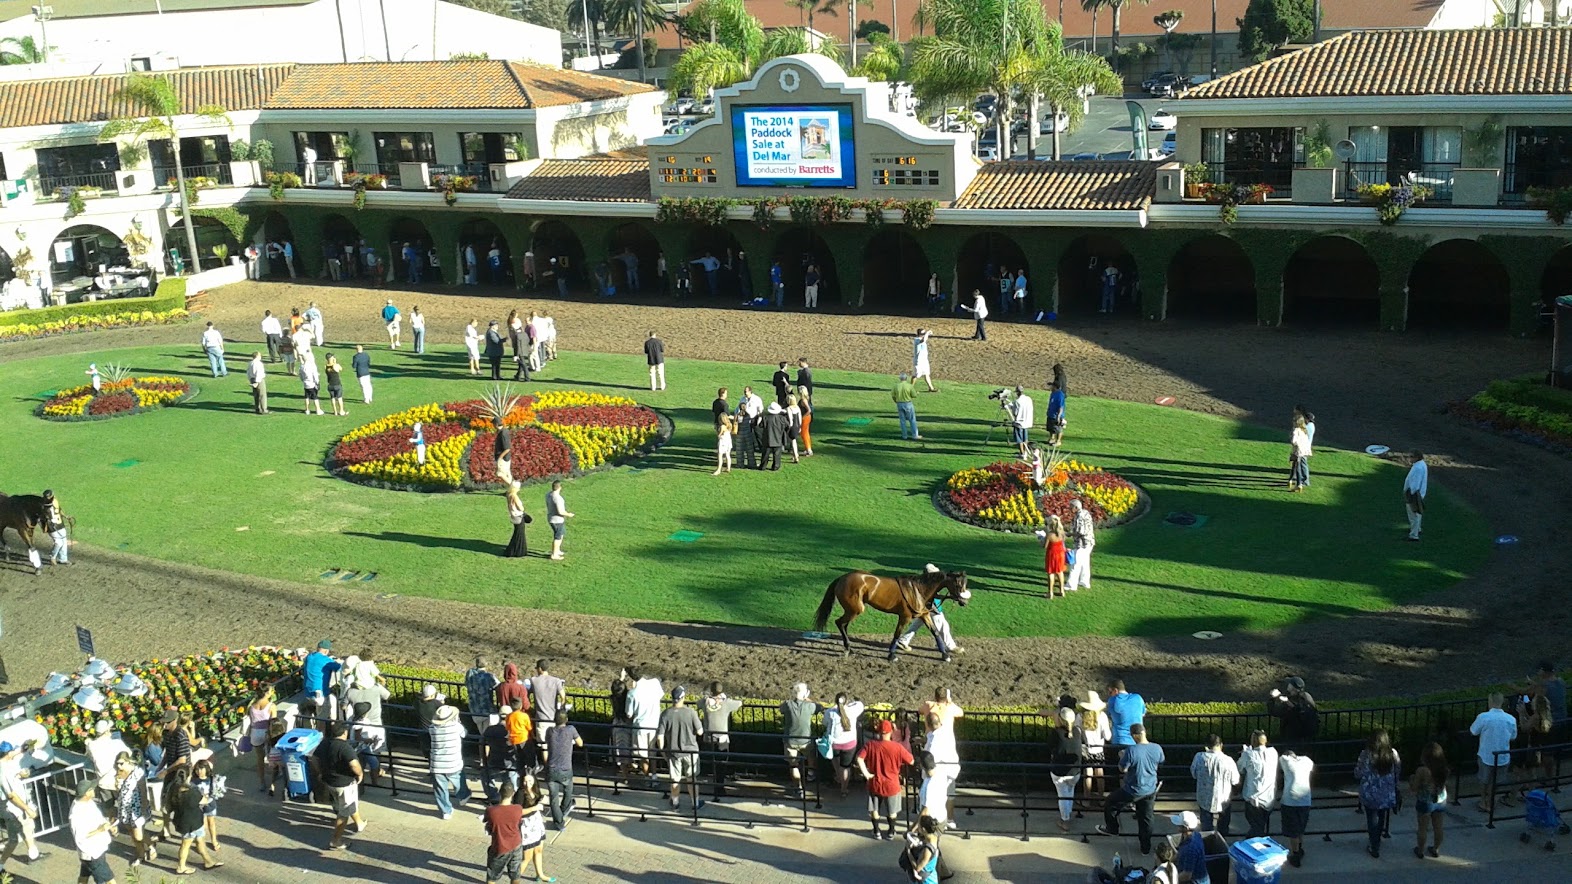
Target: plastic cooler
293, 748
1258, 860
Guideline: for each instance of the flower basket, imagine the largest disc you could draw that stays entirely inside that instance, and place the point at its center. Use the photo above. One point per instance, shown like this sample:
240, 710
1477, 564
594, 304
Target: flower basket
1392, 200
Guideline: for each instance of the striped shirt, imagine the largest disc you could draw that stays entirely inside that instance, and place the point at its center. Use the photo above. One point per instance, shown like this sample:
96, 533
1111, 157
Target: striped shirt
447, 748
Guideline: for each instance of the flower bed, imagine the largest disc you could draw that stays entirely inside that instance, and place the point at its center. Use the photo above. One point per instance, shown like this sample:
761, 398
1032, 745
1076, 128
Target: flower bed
557, 433
1525, 409
1001, 496
23, 331
115, 399
216, 689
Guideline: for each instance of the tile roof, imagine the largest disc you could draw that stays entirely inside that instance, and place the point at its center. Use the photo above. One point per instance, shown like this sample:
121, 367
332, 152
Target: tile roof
92, 99
1023, 184
10, 9
1493, 61
591, 180
437, 85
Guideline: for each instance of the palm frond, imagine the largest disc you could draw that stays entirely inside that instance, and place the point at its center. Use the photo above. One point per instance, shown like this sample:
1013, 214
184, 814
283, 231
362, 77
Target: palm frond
114, 372
497, 402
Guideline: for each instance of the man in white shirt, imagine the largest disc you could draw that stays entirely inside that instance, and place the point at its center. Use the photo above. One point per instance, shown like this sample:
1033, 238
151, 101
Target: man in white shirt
92, 833
471, 265
302, 339
1415, 487
18, 812
1296, 802
417, 327
979, 309
1215, 775
1496, 729
1258, 770
644, 711
104, 748
557, 516
213, 346
1082, 539
313, 315
1025, 412
256, 374
273, 333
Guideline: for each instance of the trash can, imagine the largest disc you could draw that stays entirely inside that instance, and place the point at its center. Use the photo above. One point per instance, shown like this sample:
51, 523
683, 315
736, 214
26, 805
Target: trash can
1217, 864
1258, 860
294, 748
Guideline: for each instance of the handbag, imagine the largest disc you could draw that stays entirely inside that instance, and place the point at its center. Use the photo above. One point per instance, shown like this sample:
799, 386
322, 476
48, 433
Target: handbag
244, 744
220, 787
825, 749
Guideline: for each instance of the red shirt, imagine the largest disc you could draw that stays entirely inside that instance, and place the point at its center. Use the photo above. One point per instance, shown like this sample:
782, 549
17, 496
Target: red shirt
884, 759
512, 693
504, 821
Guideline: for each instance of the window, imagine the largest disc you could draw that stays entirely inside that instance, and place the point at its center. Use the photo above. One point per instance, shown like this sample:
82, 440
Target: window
1253, 156
141, 63
404, 147
480, 148
328, 145
1537, 156
80, 165
3, 175
1419, 155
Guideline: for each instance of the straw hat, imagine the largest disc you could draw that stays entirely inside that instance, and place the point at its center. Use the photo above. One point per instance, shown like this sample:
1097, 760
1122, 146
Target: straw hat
1092, 703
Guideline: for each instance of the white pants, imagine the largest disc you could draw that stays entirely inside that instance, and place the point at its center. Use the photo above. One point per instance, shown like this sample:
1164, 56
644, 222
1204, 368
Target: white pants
811, 296
365, 388
940, 625
1081, 571
1065, 787
316, 330
658, 374
1413, 521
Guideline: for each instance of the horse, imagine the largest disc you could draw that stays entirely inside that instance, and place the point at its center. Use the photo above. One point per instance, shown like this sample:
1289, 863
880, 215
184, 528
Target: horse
908, 598
22, 513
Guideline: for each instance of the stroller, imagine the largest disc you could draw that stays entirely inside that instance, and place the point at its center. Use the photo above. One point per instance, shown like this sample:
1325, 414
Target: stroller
1542, 818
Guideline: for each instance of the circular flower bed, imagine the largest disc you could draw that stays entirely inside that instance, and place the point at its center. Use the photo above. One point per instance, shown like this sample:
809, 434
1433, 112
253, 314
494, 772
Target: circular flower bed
115, 399
1001, 496
554, 434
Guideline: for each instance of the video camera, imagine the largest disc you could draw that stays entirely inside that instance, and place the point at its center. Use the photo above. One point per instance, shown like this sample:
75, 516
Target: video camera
1003, 394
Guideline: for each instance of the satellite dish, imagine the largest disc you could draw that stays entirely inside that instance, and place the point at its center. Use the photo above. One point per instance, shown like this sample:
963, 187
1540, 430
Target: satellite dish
1345, 149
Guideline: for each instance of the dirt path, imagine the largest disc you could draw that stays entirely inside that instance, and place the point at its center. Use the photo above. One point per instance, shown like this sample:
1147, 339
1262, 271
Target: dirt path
1364, 386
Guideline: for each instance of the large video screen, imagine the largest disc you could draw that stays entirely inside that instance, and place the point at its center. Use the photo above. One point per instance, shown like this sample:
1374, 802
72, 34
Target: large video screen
794, 145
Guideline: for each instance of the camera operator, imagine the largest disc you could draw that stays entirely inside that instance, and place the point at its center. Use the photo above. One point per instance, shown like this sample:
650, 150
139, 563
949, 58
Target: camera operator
1022, 411
1294, 705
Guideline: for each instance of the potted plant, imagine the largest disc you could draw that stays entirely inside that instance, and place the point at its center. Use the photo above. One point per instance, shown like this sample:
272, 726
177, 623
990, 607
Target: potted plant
1478, 181
1229, 197
1392, 200
243, 170
1196, 175
1316, 181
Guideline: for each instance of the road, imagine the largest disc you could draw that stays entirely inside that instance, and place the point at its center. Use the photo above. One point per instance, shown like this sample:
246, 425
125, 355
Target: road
1104, 131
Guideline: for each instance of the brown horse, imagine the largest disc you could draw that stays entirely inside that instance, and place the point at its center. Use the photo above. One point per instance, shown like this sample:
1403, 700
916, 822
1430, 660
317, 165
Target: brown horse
908, 598
22, 513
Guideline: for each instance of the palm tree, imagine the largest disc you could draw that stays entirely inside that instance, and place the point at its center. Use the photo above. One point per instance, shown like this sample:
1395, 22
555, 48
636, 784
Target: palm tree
154, 105
1094, 7
883, 60
827, 7
1116, 6
635, 17
733, 46
25, 51
1058, 79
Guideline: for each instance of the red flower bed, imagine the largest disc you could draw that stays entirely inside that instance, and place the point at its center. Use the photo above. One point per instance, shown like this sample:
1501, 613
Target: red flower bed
536, 454
979, 497
1058, 504
599, 416
1099, 480
391, 442
113, 403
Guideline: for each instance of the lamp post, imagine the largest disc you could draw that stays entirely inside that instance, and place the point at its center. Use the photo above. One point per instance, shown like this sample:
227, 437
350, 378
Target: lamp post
1214, 39
43, 14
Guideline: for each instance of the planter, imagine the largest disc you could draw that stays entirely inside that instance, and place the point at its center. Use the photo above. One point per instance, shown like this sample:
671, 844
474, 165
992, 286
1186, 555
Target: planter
1255, 199
245, 173
1476, 187
1192, 190
1316, 186
414, 176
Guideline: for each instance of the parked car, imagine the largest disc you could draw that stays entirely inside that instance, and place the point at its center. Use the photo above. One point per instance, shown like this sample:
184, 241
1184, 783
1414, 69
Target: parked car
1082, 157
678, 127
985, 102
1051, 123
1162, 119
684, 105
1149, 82
1170, 144
1198, 79
988, 154
707, 106
1167, 85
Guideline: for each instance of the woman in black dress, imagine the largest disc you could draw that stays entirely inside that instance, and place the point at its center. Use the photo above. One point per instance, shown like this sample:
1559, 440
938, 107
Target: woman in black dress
517, 548
335, 383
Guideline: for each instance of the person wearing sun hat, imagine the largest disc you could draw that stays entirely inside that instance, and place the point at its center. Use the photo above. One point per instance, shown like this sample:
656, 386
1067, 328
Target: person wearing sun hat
447, 760
20, 811
1095, 734
1191, 850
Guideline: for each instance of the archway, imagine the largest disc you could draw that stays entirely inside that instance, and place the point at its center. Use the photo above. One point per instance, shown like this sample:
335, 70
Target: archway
895, 272
554, 239
798, 248
709, 239
637, 241
982, 259
1459, 284
79, 251
485, 237
410, 237
1556, 282
1332, 280
1211, 277
1083, 269
211, 234
343, 237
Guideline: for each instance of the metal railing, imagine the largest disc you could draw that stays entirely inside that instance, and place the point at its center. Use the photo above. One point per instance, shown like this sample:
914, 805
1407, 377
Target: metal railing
1437, 177
104, 181
479, 171
52, 793
165, 175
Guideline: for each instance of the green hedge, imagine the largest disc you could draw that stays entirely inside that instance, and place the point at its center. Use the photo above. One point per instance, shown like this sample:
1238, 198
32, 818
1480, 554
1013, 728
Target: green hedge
1532, 392
171, 296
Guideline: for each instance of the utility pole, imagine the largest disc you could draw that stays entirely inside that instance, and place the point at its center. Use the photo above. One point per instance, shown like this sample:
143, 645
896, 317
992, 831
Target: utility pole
639, 9
584, 8
851, 32
1214, 39
44, 14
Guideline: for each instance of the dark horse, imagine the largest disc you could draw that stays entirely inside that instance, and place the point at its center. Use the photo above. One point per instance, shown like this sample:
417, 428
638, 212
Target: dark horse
22, 513
908, 598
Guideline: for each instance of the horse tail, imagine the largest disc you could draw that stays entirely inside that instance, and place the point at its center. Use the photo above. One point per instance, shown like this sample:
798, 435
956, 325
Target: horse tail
825, 607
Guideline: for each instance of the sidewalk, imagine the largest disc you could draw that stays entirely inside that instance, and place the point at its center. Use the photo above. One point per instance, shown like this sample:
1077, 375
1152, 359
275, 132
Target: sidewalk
405, 842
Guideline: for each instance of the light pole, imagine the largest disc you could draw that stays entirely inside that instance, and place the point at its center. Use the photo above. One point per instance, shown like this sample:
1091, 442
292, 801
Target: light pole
43, 14
639, 8
1214, 39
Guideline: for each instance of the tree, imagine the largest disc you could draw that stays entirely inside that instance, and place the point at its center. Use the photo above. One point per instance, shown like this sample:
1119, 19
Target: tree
1117, 6
622, 16
155, 106
883, 60
812, 7
24, 50
729, 45
1094, 7
868, 27
588, 14
1269, 25
545, 13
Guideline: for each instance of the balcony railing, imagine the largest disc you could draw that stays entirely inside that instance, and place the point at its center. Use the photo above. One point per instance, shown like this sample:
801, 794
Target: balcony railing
104, 181
1437, 177
481, 172
165, 175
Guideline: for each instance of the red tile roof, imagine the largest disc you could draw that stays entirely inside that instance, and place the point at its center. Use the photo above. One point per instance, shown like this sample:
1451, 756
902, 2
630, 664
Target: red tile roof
93, 99
440, 85
1033, 184
1493, 61
589, 180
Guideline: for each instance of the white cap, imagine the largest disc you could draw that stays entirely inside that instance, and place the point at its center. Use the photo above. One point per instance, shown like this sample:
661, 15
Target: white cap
1186, 820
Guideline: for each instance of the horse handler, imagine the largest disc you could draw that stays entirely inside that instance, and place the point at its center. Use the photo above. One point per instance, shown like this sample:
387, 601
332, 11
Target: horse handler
941, 624
55, 524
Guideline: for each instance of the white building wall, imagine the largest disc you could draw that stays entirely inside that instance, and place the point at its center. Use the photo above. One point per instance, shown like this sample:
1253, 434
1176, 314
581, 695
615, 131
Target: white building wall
1459, 14
326, 31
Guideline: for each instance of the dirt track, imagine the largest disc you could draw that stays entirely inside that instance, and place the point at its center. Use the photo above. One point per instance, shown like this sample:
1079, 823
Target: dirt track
1365, 387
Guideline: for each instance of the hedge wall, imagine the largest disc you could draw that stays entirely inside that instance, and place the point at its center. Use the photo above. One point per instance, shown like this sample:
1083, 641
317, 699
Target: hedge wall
171, 295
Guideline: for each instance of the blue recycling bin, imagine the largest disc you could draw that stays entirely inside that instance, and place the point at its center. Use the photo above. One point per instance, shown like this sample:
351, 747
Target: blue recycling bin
1258, 860
295, 748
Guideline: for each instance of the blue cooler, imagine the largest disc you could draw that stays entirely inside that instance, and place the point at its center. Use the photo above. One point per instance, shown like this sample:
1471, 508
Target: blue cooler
1258, 860
293, 748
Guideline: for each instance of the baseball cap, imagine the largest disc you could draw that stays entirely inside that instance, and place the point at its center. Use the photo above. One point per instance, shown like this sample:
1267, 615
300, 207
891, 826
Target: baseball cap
679, 692
1295, 682
325, 645
883, 726
1186, 820
6, 748
170, 715
85, 787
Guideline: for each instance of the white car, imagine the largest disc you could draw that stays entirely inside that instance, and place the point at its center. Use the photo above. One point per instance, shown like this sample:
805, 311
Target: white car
988, 153
1054, 122
1170, 144
1162, 119
684, 105
707, 106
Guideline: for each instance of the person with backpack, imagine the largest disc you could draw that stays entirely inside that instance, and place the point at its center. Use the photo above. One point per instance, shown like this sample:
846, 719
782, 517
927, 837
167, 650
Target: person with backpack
920, 859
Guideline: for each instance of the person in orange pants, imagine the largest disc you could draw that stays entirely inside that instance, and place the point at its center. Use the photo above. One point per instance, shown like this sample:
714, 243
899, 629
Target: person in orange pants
807, 419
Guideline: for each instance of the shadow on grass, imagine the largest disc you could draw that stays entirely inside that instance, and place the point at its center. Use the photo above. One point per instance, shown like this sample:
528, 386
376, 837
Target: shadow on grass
432, 542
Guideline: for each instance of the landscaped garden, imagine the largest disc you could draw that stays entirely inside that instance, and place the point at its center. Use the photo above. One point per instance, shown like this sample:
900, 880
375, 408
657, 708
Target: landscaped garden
663, 539
1005, 496
118, 395
1524, 408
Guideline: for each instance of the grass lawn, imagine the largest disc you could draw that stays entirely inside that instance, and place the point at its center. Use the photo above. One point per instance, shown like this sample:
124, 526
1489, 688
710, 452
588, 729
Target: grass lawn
180, 484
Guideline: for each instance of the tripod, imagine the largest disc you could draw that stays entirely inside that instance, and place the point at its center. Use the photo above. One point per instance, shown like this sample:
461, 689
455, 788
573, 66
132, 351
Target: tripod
1006, 422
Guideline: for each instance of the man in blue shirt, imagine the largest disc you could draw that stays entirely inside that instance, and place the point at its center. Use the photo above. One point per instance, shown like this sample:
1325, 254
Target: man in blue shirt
1056, 401
1139, 764
1191, 858
777, 284
317, 670
1124, 709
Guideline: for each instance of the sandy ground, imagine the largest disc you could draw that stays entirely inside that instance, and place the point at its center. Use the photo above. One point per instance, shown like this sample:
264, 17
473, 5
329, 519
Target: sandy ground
1364, 386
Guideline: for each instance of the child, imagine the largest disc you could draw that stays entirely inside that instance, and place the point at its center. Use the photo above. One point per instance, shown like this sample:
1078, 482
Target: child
1039, 476
276, 729
1054, 560
204, 781
723, 430
92, 373
419, 441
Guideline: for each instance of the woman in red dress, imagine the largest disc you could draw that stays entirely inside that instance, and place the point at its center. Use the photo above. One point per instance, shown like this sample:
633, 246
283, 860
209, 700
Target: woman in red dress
1054, 559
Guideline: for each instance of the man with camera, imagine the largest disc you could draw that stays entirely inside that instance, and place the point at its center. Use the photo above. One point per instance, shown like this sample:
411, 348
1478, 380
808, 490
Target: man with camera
1022, 411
